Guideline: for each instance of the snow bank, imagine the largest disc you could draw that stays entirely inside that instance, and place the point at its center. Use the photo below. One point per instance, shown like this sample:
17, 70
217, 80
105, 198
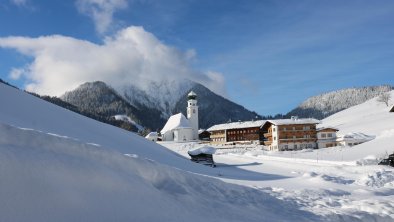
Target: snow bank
380, 178
50, 178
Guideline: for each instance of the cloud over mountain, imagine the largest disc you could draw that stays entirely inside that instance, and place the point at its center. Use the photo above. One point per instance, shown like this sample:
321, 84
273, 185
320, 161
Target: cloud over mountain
131, 56
100, 11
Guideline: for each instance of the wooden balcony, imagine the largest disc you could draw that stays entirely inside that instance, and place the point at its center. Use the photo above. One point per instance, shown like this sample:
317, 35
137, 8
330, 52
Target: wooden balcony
267, 142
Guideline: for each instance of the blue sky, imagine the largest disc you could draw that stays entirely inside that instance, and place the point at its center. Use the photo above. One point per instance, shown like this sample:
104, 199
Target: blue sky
266, 55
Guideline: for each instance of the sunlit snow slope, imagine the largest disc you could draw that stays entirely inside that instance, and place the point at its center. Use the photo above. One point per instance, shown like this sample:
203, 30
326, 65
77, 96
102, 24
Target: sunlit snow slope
58, 166
372, 118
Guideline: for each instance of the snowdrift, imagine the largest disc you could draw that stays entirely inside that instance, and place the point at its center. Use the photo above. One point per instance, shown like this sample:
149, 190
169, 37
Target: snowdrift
52, 178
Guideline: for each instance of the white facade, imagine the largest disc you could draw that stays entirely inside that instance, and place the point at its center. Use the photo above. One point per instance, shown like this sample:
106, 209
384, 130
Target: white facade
183, 134
326, 137
296, 146
181, 129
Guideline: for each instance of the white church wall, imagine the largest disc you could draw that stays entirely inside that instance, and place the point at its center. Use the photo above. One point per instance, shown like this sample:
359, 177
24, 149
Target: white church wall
183, 135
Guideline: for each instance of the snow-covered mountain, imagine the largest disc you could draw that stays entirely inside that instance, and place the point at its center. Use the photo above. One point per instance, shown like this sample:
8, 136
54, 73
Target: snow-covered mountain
152, 108
99, 98
326, 104
161, 95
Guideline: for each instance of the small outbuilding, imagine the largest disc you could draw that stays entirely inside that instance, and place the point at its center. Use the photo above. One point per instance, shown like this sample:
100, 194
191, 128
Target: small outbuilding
204, 135
153, 136
203, 155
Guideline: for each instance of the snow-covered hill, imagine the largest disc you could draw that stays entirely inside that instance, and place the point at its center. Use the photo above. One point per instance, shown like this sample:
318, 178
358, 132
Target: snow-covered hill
326, 104
371, 117
59, 166
56, 165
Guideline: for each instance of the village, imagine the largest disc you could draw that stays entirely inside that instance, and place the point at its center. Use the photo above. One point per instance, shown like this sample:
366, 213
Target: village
274, 135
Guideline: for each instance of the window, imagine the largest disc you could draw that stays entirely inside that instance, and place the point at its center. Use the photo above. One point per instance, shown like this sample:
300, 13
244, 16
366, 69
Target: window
194, 111
274, 129
309, 145
323, 135
286, 147
295, 146
274, 137
307, 127
329, 134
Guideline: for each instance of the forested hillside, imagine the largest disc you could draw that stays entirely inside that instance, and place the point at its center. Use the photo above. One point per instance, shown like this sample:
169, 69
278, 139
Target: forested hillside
326, 104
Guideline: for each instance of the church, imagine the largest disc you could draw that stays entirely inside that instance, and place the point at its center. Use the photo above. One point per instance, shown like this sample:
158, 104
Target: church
181, 129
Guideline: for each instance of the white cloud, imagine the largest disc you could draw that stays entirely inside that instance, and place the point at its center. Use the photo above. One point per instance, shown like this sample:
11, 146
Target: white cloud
100, 11
16, 73
19, 2
131, 56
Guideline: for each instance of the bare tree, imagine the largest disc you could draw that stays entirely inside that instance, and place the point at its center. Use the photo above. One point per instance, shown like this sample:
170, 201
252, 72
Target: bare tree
385, 98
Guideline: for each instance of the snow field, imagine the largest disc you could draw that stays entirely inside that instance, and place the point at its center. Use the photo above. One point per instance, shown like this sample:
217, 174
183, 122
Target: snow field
59, 166
52, 178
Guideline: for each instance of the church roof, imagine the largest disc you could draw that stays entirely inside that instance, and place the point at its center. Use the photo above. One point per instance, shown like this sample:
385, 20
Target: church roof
174, 122
191, 93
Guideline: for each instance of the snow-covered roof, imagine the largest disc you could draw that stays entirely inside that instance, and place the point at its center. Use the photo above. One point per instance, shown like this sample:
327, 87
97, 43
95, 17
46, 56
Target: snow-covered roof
356, 137
176, 121
328, 127
293, 121
202, 150
192, 94
151, 134
237, 125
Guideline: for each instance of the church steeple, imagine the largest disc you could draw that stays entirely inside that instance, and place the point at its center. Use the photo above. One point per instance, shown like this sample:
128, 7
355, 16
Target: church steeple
192, 113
